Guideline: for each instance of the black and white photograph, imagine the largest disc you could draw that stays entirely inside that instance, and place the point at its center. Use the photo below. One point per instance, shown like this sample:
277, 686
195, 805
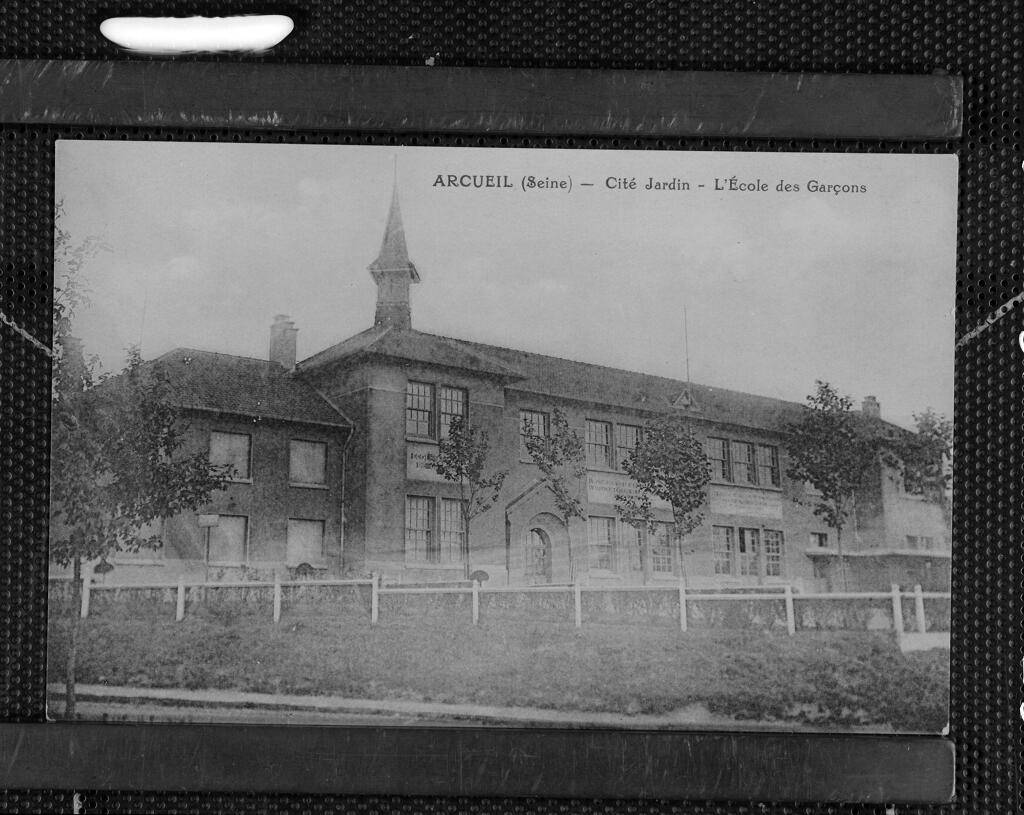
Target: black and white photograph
351, 435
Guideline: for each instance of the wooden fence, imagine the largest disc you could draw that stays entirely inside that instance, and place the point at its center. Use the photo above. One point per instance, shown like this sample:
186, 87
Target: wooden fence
785, 596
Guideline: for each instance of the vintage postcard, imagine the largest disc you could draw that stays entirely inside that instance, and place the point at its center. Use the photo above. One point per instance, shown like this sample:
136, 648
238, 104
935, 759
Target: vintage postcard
572, 438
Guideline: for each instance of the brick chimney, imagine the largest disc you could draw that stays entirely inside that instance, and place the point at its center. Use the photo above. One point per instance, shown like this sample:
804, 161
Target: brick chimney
870, 407
282, 341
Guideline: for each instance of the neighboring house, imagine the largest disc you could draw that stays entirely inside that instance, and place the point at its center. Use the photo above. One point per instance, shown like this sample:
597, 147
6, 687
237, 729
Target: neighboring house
282, 510
357, 425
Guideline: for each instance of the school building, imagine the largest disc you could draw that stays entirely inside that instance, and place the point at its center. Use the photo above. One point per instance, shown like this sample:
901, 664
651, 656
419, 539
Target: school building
334, 475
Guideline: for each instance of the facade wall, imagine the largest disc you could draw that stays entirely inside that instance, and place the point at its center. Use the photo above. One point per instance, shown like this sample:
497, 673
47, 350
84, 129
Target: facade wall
370, 481
267, 500
380, 480
909, 519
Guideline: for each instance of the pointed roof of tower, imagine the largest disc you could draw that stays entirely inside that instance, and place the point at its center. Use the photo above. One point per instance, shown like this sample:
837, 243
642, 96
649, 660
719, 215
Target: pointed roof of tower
393, 256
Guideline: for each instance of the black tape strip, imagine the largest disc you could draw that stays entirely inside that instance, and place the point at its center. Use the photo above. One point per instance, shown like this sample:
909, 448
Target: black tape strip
454, 761
480, 100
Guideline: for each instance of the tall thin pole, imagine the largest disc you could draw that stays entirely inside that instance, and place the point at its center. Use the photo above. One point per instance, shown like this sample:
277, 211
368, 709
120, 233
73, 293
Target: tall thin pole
686, 349
142, 322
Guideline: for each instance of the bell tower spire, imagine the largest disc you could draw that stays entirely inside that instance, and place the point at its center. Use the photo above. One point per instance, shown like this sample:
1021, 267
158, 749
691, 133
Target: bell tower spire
393, 272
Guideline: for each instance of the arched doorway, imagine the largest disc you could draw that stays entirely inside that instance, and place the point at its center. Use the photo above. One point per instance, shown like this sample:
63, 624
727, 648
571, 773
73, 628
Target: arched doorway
538, 556
545, 550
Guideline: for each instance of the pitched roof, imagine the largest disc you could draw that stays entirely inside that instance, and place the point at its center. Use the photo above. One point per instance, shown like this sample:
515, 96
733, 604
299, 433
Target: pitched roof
393, 256
569, 379
566, 379
413, 346
204, 380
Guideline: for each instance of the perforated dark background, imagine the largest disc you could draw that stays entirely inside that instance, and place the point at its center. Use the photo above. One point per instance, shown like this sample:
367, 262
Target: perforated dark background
982, 42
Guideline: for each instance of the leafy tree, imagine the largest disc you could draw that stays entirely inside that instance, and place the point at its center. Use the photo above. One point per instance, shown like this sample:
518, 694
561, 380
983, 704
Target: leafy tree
669, 463
461, 458
834, 449
116, 454
837, 449
926, 457
560, 456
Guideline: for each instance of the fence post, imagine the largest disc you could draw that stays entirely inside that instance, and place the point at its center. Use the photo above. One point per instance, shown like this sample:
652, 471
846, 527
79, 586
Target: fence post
922, 623
577, 597
790, 614
374, 598
86, 586
897, 612
682, 604
277, 597
476, 602
179, 612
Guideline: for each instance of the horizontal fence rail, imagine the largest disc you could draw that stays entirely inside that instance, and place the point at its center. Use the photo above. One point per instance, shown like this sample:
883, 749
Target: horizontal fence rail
685, 600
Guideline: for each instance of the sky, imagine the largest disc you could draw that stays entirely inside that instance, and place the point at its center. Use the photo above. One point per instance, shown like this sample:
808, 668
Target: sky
207, 242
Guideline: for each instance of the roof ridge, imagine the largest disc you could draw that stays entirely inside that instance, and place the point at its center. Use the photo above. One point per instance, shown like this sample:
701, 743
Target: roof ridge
495, 360
186, 349
681, 382
383, 330
259, 387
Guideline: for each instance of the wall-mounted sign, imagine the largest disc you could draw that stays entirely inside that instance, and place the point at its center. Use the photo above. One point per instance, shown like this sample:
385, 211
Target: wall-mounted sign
419, 462
739, 501
602, 488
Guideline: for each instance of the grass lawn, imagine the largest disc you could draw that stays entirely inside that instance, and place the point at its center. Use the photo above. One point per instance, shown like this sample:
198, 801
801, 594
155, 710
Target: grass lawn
833, 678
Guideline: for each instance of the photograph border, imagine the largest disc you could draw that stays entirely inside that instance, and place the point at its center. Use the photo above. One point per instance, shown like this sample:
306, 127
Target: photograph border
468, 764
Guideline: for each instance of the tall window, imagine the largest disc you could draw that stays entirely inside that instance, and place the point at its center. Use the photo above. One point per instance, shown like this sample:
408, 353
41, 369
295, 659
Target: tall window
718, 453
531, 423
632, 540
419, 409
233, 449
626, 438
747, 551
419, 529
602, 543
599, 444
453, 531
768, 465
661, 549
743, 469
305, 543
773, 547
307, 462
454, 402
228, 541
722, 545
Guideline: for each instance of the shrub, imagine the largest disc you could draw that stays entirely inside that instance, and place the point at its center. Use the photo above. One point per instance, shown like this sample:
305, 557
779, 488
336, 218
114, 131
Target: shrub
759, 615
843, 614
